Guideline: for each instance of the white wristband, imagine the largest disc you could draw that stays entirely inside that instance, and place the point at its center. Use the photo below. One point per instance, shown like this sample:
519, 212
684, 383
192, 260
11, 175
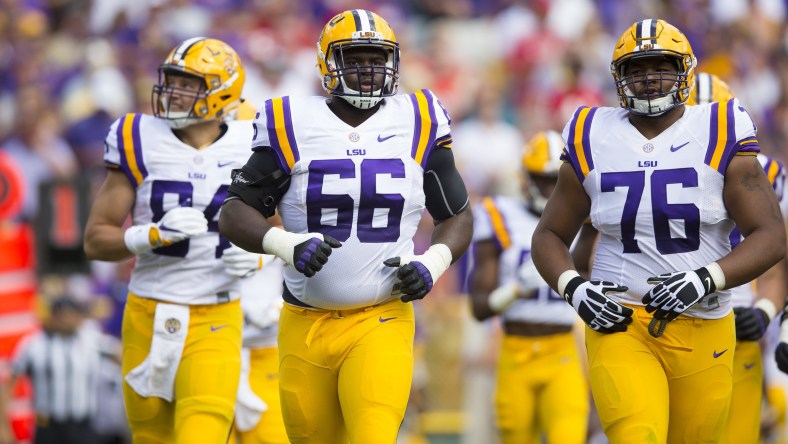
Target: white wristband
767, 306
137, 239
564, 279
717, 275
437, 260
502, 297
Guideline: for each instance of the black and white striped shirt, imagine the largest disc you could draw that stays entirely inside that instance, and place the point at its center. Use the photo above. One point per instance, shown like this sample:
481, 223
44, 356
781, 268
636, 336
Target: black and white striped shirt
63, 371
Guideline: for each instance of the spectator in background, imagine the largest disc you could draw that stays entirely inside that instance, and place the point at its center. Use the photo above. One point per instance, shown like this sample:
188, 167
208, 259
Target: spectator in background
62, 363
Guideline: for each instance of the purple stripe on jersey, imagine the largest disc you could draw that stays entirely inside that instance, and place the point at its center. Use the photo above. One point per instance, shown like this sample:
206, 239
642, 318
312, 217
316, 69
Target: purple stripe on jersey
289, 128
135, 133
416, 126
433, 128
587, 139
570, 149
729, 151
124, 163
712, 133
270, 126
735, 237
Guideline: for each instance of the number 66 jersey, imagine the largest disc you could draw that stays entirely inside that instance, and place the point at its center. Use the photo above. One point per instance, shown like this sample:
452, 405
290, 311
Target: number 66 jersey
361, 185
167, 173
658, 203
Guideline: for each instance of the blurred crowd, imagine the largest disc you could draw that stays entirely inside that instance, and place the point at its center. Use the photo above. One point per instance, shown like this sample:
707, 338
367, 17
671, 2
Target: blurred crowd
504, 69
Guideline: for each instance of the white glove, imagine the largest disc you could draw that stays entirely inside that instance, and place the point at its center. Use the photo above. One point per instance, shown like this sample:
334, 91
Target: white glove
306, 252
177, 224
528, 278
590, 301
676, 292
241, 263
264, 317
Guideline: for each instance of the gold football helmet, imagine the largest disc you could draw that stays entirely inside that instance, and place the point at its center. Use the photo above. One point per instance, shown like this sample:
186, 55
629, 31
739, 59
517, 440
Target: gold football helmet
709, 89
653, 38
541, 162
357, 28
221, 76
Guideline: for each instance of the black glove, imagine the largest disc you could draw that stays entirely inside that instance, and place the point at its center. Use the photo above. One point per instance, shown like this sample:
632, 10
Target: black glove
415, 281
751, 323
676, 292
590, 301
311, 255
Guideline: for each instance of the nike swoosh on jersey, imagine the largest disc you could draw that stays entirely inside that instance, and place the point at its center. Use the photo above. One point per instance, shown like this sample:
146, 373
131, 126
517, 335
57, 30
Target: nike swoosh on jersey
382, 319
224, 164
673, 149
749, 366
383, 139
219, 327
717, 355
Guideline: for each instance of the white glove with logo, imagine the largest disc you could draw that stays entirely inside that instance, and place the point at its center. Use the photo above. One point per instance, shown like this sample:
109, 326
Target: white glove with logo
675, 292
178, 224
590, 301
241, 263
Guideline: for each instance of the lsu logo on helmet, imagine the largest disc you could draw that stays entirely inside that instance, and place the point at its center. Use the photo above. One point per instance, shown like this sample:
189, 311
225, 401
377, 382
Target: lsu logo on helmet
653, 38
709, 89
541, 162
357, 28
222, 77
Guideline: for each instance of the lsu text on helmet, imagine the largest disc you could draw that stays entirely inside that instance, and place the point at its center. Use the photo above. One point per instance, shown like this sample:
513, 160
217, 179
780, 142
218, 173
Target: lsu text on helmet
349, 30
541, 162
221, 76
709, 89
652, 38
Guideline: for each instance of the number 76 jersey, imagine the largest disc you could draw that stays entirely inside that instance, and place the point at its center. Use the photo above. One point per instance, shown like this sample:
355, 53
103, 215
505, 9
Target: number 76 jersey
361, 185
658, 203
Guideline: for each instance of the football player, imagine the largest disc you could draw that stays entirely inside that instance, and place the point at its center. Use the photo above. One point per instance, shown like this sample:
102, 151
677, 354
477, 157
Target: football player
258, 414
170, 172
664, 183
752, 312
354, 171
540, 385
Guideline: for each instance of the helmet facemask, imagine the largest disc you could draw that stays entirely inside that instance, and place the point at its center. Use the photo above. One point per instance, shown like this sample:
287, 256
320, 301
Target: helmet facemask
192, 101
648, 93
339, 72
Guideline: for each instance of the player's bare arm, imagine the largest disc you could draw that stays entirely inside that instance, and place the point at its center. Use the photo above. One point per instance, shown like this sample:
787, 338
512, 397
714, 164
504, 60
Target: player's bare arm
485, 278
563, 216
455, 232
753, 205
243, 225
104, 230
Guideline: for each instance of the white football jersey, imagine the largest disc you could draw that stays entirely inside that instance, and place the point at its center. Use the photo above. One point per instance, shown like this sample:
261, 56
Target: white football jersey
361, 185
657, 203
166, 173
744, 295
508, 222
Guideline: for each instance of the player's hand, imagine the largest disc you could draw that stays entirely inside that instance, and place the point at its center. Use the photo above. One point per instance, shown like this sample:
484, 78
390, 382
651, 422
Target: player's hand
599, 312
417, 274
306, 252
241, 263
178, 224
673, 293
529, 279
751, 323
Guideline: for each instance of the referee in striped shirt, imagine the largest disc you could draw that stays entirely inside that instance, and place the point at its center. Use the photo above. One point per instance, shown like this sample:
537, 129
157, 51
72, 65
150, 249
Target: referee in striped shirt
62, 363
